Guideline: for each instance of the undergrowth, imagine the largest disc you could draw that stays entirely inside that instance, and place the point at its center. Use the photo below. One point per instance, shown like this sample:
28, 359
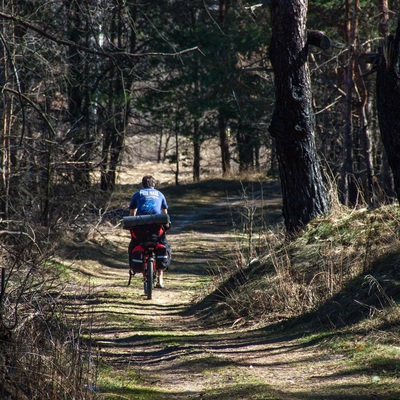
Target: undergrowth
43, 353
335, 269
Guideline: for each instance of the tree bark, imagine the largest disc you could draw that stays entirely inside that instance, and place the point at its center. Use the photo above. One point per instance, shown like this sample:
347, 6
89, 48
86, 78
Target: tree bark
365, 138
78, 96
177, 154
383, 17
224, 143
118, 105
6, 146
196, 151
348, 188
292, 125
245, 149
388, 102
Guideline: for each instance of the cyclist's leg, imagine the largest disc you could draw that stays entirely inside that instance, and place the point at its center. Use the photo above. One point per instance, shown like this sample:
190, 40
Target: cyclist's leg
160, 279
160, 272
164, 241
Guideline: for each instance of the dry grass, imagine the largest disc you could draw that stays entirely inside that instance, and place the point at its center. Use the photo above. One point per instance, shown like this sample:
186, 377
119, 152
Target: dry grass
277, 279
43, 354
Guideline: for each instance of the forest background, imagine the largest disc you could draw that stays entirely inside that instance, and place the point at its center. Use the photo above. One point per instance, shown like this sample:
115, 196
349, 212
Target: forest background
86, 84
90, 86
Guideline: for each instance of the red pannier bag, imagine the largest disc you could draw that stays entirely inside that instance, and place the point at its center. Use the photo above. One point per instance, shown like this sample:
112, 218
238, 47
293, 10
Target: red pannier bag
136, 259
163, 259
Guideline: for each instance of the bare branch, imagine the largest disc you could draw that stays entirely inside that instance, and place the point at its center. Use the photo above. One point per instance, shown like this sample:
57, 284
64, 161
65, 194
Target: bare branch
8, 232
35, 106
101, 52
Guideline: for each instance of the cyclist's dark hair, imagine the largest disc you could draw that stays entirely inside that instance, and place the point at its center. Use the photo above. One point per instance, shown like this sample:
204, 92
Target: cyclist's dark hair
148, 181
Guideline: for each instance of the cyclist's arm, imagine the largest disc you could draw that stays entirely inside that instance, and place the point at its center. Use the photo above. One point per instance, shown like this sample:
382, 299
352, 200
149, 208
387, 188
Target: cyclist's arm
132, 212
165, 211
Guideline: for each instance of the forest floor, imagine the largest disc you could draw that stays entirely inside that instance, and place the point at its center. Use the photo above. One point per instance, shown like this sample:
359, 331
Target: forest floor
160, 349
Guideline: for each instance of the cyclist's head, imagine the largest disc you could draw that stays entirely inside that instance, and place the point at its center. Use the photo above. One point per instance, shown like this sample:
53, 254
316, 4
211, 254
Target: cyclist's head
148, 181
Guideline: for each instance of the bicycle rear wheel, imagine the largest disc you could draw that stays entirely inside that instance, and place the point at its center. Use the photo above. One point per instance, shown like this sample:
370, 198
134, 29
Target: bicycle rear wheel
149, 281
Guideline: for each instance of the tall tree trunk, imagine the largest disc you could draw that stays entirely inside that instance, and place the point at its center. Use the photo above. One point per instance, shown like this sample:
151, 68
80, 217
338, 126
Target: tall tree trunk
224, 143
292, 125
386, 173
365, 138
245, 149
196, 151
177, 154
223, 9
104, 178
120, 82
348, 187
387, 180
6, 143
196, 128
383, 17
78, 96
388, 102
160, 146
114, 137
8, 139
224, 6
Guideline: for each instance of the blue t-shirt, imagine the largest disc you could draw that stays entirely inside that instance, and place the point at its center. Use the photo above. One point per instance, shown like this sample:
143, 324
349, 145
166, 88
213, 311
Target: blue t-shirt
148, 201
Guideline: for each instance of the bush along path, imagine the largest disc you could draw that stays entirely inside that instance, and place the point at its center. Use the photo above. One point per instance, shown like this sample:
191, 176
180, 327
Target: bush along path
159, 349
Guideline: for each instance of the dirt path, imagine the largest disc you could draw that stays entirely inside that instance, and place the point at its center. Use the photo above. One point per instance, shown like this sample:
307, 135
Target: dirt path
156, 350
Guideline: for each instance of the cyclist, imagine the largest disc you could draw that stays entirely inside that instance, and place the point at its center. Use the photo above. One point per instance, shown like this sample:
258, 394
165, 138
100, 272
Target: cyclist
147, 201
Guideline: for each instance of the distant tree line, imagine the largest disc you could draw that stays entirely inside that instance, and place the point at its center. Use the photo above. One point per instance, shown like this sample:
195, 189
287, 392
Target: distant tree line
79, 77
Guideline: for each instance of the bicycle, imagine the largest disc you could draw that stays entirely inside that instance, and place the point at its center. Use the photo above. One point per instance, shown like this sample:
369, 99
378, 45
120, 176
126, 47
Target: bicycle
149, 269
147, 264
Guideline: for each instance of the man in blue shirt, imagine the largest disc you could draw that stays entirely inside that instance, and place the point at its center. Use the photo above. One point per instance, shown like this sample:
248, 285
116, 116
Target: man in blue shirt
147, 201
